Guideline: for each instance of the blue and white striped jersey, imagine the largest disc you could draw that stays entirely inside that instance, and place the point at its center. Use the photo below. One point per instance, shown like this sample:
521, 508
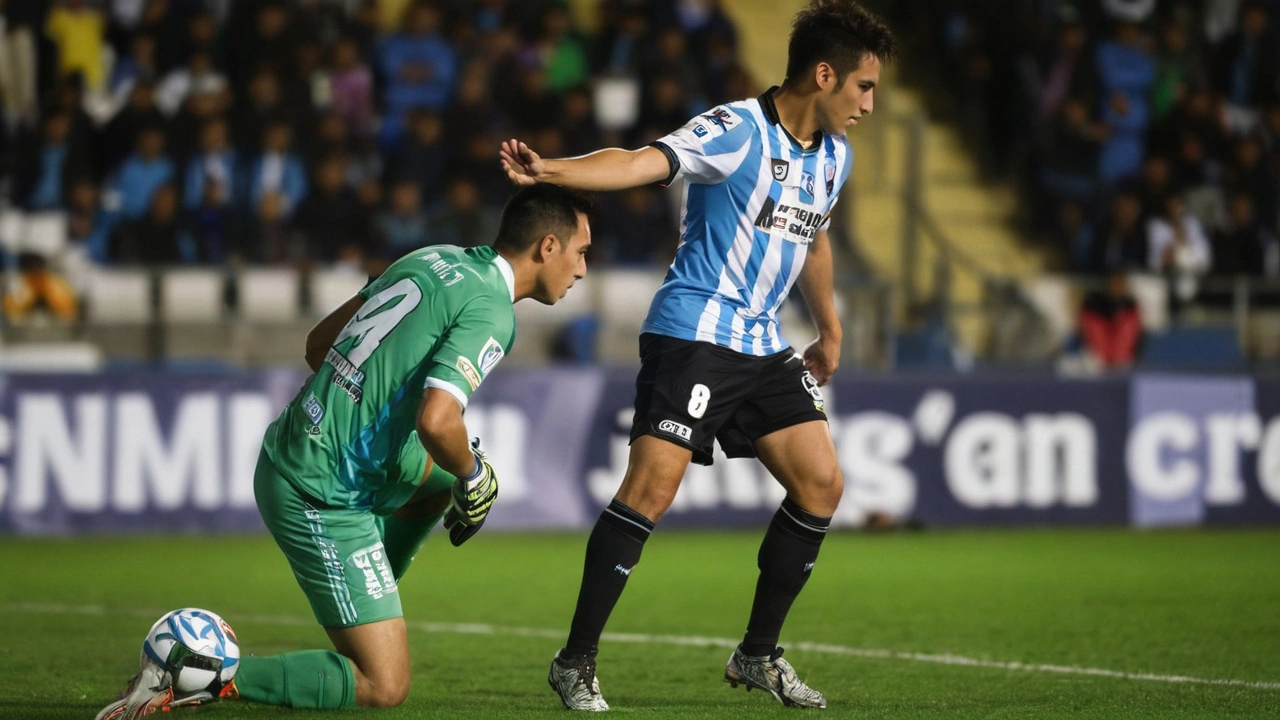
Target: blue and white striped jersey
754, 201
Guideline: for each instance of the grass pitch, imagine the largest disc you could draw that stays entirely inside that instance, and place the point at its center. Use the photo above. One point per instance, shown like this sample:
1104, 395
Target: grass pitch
974, 624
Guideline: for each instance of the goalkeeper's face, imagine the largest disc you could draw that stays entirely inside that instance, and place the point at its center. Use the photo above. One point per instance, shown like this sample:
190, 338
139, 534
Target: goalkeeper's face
564, 262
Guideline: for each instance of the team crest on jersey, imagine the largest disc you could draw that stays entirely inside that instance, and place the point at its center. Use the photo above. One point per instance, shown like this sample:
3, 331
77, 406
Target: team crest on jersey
780, 169
806, 185
831, 178
489, 356
468, 371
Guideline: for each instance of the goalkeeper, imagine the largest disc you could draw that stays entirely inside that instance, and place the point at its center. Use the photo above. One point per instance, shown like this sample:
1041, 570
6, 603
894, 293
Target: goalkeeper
372, 451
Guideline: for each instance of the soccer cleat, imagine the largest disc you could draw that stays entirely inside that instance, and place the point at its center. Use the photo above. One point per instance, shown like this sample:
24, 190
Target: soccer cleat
772, 673
151, 691
577, 685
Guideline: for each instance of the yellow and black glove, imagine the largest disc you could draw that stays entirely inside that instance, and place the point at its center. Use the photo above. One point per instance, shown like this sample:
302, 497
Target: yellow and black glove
471, 499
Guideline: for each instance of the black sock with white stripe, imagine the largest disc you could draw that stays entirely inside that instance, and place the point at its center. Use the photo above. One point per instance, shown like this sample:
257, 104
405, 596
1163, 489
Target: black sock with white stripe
612, 551
786, 557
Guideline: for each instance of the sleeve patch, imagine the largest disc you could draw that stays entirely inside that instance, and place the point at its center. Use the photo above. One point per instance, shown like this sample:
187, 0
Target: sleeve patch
490, 355
469, 372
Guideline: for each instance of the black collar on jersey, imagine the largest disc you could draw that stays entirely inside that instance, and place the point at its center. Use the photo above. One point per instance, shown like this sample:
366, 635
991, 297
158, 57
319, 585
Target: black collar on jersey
771, 114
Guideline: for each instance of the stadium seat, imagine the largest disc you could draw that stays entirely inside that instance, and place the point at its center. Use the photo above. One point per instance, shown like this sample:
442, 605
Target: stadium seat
192, 310
1152, 294
1058, 302
1212, 348
192, 295
624, 301
119, 312
46, 234
268, 295
331, 288
118, 296
12, 228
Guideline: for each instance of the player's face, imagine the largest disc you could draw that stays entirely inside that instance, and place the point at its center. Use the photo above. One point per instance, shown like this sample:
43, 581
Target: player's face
842, 107
566, 264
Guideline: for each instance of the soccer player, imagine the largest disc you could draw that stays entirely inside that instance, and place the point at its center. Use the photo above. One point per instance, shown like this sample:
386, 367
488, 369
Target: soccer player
762, 178
362, 462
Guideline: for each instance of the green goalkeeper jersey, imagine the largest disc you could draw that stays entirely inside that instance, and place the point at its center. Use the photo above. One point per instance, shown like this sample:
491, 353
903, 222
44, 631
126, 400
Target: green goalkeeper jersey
439, 317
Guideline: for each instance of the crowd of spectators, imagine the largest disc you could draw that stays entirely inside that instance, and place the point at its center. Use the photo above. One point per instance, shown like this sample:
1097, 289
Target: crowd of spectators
224, 132
1146, 132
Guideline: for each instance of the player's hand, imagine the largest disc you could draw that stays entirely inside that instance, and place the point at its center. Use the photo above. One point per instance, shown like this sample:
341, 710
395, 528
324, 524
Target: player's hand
523, 166
470, 501
821, 358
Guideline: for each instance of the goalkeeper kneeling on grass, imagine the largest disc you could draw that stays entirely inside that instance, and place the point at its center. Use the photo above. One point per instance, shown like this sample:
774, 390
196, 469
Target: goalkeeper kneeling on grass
373, 450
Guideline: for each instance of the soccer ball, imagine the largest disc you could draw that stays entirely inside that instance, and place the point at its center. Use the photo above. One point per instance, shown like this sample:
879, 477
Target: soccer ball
197, 647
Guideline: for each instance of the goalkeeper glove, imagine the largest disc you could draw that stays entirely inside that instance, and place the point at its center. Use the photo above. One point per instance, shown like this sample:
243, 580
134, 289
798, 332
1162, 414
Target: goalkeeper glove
471, 499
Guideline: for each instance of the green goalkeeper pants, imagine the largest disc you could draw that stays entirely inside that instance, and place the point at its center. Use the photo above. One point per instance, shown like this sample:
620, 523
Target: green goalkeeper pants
337, 554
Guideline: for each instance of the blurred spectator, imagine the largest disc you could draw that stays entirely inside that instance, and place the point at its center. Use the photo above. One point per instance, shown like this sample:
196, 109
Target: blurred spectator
403, 226
471, 109
1178, 248
351, 86
262, 106
198, 76
1125, 74
422, 156
1245, 246
1154, 184
1248, 66
1247, 171
462, 217
139, 65
152, 238
418, 67
669, 60
1178, 66
1121, 241
1066, 70
121, 133
332, 221
1070, 156
532, 106
36, 291
77, 30
635, 228
560, 50
141, 174
277, 170
43, 172
576, 124
1074, 237
1110, 326
211, 175
665, 109
209, 226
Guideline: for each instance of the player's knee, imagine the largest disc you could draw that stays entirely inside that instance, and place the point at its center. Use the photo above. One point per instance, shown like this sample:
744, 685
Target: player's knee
823, 491
388, 694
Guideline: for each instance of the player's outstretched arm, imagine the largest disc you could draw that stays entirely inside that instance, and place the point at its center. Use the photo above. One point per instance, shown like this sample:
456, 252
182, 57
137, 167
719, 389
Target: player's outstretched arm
608, 169
817, 284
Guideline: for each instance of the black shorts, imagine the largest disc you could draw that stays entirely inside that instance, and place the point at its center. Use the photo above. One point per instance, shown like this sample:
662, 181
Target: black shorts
693, 393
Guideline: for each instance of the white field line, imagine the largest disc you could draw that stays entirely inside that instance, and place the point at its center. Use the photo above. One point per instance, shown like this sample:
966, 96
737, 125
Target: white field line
686, 640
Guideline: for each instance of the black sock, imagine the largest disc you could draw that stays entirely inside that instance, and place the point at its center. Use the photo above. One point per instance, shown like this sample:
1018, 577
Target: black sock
786, 557
612, 551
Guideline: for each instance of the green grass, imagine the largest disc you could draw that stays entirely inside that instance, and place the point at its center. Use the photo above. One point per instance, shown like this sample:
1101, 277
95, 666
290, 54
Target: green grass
1200, 604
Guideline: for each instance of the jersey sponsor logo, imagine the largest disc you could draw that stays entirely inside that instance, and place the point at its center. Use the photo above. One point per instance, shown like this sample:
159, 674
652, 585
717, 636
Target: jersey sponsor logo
376, 571
700, 131
780, 169
468, 371
489, 356
314, 410
674, 428
346, 375
831, 177
445, 270
806, 184
722, 118
811, 386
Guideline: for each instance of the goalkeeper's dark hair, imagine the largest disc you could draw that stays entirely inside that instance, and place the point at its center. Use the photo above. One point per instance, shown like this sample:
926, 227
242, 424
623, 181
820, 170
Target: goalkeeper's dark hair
840, 33
539, 210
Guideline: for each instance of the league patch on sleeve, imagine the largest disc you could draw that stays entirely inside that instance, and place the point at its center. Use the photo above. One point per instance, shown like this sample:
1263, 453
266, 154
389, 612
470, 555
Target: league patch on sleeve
489, 356
709, 125
468, 371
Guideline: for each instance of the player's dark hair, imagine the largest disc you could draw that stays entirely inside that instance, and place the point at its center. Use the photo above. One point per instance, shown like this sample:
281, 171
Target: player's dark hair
840, 33
539, 210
